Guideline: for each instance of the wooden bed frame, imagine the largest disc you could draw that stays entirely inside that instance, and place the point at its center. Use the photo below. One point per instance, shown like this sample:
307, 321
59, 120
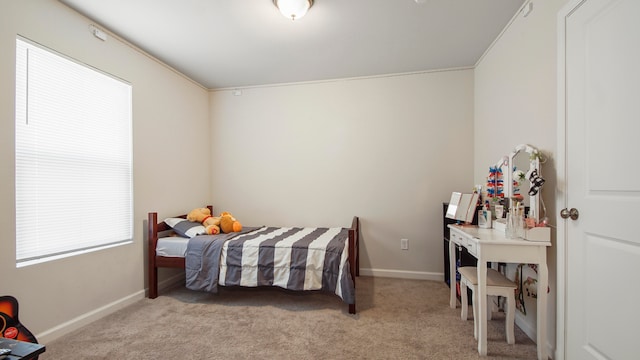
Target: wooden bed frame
155, 227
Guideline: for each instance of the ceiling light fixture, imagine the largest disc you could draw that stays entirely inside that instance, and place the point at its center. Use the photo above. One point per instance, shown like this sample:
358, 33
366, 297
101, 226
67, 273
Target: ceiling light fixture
293, 9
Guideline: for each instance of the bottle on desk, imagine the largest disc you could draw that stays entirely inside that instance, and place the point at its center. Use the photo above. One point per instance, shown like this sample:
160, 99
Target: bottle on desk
484, 219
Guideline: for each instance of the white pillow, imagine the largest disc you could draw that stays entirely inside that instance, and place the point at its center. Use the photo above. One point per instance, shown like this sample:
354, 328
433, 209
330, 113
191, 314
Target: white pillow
185, 228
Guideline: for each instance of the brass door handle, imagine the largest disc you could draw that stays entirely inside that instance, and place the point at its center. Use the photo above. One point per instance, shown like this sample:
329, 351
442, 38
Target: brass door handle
573, 213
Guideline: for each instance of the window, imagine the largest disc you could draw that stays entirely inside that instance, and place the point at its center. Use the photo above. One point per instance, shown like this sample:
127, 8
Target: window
73, 157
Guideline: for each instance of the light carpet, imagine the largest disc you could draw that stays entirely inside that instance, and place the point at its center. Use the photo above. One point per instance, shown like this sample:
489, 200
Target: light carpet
396, 319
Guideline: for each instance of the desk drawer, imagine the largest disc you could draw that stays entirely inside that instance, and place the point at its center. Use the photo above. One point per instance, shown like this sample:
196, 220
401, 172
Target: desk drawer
472, 247
465, 241
458, 239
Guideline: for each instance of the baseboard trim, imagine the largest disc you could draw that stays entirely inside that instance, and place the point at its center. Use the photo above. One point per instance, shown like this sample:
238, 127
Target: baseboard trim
87, 318
532, 332
91, 316
526, 327
402, 274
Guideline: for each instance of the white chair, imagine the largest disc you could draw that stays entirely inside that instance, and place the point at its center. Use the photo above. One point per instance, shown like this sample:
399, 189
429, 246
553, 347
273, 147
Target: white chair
497, 285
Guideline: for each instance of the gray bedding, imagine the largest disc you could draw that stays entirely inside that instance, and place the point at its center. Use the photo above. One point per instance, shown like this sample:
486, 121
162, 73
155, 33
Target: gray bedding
291, 258
202, 260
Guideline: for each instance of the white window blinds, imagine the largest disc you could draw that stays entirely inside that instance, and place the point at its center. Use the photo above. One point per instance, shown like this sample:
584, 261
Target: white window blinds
73, 157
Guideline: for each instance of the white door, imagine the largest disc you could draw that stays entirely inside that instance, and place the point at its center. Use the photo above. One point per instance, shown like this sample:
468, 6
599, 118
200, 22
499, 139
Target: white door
602, 179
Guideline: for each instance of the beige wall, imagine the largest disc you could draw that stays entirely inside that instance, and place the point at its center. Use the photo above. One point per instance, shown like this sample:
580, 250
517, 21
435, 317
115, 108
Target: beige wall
515, 102
170, 115
379, 148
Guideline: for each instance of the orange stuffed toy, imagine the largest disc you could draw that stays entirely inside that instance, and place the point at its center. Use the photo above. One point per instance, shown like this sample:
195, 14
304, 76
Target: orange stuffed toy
228, 223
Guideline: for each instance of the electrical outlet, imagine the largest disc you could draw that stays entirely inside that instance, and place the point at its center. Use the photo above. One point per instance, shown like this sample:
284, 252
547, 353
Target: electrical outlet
404, 244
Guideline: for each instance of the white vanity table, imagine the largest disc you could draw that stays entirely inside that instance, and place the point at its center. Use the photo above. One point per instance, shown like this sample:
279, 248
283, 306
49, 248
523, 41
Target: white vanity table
491, 245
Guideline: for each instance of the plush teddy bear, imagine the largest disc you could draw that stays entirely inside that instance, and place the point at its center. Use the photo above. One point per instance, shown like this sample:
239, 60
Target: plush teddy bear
228, 223
203, 215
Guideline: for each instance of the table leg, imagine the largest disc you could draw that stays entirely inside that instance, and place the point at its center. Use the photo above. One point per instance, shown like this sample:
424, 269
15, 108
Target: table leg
452, 274
482, 306
543, 281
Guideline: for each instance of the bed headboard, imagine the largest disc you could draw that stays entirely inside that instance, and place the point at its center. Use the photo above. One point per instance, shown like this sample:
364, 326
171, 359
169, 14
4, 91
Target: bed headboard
155, 227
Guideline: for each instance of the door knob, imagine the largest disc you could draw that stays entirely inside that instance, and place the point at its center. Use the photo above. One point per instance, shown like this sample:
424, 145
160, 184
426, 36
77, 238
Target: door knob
573, 213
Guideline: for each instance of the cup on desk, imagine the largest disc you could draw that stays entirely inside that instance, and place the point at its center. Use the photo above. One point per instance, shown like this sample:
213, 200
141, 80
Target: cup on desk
515, 226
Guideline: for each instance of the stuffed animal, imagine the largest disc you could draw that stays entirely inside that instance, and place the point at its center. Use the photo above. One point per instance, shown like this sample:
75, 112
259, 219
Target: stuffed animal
203, 215
228, 223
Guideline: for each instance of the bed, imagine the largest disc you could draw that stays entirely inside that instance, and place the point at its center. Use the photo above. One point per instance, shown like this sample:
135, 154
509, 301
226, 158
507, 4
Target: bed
297, 258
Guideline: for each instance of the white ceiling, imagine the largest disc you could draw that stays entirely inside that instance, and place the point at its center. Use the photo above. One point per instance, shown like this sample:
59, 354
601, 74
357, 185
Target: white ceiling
240, 43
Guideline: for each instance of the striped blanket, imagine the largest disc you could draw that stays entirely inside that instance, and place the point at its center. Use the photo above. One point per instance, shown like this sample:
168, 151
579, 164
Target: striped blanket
291, 258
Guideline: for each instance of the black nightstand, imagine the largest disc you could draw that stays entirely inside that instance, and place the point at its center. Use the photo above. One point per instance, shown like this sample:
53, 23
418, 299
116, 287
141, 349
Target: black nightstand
462, 255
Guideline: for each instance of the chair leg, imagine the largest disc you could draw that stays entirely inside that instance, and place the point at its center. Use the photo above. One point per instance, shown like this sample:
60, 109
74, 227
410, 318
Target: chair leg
490, 307
510, 319
474, 301
464, 302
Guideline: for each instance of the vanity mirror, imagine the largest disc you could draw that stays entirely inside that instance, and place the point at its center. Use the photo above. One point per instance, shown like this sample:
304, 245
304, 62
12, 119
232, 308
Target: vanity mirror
524, 178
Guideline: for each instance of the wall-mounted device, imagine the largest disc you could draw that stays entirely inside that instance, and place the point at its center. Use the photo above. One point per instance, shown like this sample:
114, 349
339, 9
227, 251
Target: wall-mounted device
98, 33
526, 10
